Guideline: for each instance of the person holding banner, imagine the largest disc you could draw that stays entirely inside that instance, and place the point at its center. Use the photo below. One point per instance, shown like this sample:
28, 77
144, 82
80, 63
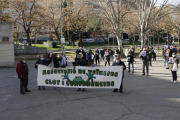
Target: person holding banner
90, 58
22, 71
42, 61
173, 66
120, 63
107, 56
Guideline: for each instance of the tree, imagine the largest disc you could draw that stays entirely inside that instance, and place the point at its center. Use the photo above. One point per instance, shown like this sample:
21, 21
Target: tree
4, 13
148, 14
114, 11
27, 14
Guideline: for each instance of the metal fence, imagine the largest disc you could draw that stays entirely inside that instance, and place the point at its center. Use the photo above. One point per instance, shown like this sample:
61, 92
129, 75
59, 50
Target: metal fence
28, 50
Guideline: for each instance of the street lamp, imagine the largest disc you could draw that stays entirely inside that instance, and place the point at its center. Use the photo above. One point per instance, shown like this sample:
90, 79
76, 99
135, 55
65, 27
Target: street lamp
61, 28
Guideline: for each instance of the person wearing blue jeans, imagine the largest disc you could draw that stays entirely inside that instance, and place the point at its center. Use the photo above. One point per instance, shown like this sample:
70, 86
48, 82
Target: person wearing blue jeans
102, 54
131, 60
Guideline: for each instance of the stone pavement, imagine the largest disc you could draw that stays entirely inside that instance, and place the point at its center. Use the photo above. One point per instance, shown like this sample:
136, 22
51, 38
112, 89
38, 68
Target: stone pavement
150, 97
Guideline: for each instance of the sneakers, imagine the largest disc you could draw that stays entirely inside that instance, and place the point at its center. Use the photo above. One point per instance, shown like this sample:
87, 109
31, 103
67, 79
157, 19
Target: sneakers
171, 81
174, 81
143, 74
115, 90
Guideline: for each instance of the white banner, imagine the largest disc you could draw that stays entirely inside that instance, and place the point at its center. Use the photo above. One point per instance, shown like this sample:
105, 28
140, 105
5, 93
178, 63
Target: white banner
80, 77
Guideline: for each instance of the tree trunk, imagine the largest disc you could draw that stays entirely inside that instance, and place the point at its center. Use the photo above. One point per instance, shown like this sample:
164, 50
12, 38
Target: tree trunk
36, 38
57, 35
80, 40
134, 42
120, 47
28, 37
179, 38
142, 39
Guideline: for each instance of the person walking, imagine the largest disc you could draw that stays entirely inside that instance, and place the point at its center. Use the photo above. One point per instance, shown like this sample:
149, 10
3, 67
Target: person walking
107, 56
145, 60
42, 61
131, 61
172, 69
22, 72
56, 60
119, 63
154, 55
102, 54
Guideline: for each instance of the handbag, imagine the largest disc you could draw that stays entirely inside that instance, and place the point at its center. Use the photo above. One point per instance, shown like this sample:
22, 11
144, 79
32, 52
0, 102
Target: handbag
175, 67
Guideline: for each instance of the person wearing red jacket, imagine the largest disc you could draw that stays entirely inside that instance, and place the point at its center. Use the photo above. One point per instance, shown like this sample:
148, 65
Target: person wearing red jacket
22, 71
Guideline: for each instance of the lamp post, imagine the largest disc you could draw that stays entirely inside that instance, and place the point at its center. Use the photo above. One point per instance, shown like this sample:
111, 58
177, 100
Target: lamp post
61, 28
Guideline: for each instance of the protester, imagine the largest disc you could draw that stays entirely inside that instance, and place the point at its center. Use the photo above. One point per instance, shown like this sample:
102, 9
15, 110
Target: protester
42, 61
117, 51
120, 63
84, 54
102, 54
97, 51
131, 60
78, 51
164, 56
112, 53
107, 56
168, 54
174, 50
154, 55
22, 71
173, 68
145, 61
150, 57
63, 60
97, 57
56, 60
90, 58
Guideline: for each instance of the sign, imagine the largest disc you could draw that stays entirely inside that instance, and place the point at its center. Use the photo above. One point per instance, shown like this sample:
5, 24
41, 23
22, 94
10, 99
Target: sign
80, 77
171, 59
143, 53
62, 40
167, 54
166, 47
5, 39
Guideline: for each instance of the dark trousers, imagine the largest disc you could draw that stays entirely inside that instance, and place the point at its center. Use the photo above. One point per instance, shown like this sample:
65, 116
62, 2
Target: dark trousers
108, 62
150, 59
154, 59
23, 84
98, 61
145, 64
174, 74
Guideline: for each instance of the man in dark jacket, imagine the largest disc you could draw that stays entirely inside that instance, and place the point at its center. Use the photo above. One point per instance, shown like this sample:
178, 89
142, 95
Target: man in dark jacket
90, 58
131, 60
150, 57
117, 51
102, 54
97, 57
112, 53
78, 51
145, 61
42, 61
56, 61
22, 71
120, 63
84, 54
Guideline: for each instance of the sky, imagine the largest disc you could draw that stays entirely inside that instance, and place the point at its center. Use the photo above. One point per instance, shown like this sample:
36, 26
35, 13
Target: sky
174, 2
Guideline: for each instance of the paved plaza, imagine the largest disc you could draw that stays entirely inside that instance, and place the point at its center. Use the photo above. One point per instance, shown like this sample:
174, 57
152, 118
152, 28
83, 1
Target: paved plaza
150, 97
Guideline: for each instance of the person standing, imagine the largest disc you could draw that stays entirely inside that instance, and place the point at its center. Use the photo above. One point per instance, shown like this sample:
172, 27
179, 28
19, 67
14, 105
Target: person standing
42, 61
117, 51
164, 56
120, 63
56, 60
154, 55
112, 53
126, 54
174, 50
150, 57
102, 54
22, 71
96, 57
145, 56
63, 60
168, 54
107, 56
131, 61
90, 58
174, 72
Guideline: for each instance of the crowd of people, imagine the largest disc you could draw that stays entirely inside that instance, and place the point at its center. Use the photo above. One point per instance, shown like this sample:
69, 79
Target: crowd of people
93, 58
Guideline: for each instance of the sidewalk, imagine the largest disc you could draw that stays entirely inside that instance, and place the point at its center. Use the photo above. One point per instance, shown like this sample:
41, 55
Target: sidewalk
150, 97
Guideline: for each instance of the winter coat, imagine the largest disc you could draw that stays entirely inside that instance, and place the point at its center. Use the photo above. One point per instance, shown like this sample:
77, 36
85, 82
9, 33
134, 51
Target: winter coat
21, 71
131, 55
84, 55
107, 56
102, 52
96, 56
90, 57
56, 62
43, 62
121, 63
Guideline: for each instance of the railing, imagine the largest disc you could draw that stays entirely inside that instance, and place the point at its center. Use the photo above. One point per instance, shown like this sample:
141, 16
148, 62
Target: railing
28, 50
